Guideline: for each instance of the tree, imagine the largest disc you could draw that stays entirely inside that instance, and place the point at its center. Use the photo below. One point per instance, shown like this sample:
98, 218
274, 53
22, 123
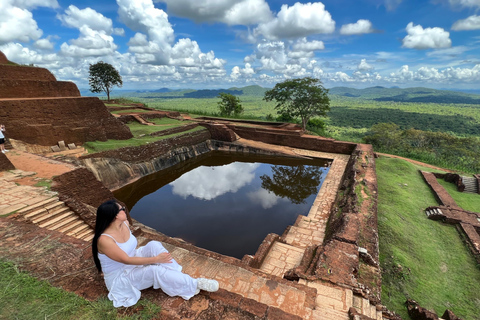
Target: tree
229, 104
103, 77
295, 183
300, 98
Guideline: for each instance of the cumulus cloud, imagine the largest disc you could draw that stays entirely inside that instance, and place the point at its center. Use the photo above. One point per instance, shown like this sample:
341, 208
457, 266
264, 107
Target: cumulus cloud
470, 23
16, 20
359, 27
264, 198
238, 72
231, 12
142, 16
364, 66
77, 18
428, 74
207, 183
43, 44
95, 33
428, 38
304, 45
299, 20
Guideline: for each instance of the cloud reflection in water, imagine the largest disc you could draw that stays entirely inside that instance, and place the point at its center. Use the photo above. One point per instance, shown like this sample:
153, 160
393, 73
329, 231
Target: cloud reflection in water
207, 183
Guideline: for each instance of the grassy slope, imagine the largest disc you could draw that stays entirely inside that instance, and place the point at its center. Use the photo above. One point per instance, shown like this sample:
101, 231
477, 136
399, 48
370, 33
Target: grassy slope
467, 201
24, 297
421, 259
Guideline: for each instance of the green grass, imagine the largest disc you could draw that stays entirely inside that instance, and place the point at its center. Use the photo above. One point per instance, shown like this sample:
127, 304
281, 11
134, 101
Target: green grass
24, 297
467, 201
421, 259
130, 110
44, 183
99, 146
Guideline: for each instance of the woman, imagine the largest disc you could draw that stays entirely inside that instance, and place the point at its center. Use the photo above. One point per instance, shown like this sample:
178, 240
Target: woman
128, 270
2, 139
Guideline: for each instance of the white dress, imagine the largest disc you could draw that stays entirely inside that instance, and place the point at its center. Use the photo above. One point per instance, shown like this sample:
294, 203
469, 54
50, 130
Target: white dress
124, 281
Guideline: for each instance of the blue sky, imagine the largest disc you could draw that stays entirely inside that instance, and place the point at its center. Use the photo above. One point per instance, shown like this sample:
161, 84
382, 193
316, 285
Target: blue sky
225, 43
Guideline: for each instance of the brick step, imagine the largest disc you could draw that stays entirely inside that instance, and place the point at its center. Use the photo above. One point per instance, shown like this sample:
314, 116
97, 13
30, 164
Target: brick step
69, 224
48, 220
433, 212
43, 215
77, 229
287, 296
85, 233
30, 210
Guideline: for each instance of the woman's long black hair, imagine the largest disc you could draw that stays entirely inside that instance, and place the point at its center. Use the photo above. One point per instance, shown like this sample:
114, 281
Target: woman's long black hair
106, 213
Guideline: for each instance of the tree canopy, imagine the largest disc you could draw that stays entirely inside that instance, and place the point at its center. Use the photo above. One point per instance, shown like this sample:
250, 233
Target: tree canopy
103, 77
229, 104
302, 98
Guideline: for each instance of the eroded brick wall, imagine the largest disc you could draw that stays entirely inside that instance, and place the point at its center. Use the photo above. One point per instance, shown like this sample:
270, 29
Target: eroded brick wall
294, 139
79, 188
47, 121
3, 58
5, 164
25, 73
37, 89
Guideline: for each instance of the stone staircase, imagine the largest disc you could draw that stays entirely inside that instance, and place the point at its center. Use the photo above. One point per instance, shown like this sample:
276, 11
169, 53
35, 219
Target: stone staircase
434, 213
471, 184
141, 120
53, 214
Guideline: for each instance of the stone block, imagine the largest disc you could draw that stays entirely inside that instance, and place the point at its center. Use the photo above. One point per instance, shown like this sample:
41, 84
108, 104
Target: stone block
72, 146
61, 145
55, 148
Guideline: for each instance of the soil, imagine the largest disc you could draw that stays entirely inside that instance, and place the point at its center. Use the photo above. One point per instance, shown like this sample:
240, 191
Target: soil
44, 168
415, 162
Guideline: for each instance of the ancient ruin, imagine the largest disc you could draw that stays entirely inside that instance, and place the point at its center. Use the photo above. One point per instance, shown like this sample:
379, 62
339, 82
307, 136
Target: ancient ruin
325, 266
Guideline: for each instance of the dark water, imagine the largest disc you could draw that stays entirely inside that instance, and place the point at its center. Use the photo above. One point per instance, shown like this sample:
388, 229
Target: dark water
225, 203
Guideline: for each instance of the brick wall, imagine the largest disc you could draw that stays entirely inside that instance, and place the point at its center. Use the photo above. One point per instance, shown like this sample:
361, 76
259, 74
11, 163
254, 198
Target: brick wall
3, 58
47, 121
5, 164
14, 88
25, 73
294, 139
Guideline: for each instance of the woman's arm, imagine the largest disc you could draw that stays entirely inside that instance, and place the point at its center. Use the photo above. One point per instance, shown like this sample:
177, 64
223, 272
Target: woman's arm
107, 246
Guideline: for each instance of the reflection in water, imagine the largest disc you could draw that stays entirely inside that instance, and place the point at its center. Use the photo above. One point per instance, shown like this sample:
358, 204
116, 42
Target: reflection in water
207, 183
285, 182
220, 204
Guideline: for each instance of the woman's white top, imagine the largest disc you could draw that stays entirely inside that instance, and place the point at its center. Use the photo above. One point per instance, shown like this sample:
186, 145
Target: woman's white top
121, 290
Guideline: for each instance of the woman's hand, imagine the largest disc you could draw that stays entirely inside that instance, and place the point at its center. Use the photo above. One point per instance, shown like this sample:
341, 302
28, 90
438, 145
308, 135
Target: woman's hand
164, 257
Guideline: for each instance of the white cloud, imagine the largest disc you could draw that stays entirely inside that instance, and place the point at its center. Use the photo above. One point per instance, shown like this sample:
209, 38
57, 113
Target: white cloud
434, 75
33, 3
43, 44
428, 38
470, 23
77, 18
304, 45
299, 20
231, 12
465, 3
95, 33
16, 21
238, 72
119, 32
207, 183
264, 198
359, 27
364, 66
142, 16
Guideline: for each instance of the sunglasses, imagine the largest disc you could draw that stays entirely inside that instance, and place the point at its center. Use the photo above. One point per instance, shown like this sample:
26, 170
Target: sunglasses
122, 209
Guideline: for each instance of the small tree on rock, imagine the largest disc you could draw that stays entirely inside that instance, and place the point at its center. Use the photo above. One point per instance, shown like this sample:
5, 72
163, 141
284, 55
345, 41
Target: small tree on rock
229, 104
103, 77
300, 98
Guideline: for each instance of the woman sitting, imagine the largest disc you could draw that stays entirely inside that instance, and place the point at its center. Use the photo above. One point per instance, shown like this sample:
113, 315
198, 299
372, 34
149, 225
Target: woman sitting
128, 270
